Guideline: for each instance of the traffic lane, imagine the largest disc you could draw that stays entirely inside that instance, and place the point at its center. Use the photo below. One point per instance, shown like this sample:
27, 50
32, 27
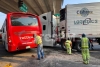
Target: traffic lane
60, 59
15, 58
3, 52
55, 57
55, 63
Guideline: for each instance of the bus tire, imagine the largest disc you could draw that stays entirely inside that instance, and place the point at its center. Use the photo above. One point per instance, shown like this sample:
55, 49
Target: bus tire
3, 43
5, 46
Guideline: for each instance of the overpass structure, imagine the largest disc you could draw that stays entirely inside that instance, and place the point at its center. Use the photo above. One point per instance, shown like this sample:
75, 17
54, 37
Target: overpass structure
34, 6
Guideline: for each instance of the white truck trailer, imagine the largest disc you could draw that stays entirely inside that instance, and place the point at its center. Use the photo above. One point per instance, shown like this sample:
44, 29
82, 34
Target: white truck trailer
77, 19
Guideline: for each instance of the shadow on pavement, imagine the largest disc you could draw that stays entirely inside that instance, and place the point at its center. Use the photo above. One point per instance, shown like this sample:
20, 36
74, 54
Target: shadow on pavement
4, 53
14, 57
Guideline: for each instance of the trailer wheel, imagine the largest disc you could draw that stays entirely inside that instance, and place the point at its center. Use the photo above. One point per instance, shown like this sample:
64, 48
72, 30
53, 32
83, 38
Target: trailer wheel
63, 47
54, 44
91, 46
78, 46
98, 40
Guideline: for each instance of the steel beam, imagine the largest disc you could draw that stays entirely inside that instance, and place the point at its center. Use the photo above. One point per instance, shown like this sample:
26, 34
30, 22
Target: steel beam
10, 3
34, 6
4, 10
39, 6
47, 5
30, 7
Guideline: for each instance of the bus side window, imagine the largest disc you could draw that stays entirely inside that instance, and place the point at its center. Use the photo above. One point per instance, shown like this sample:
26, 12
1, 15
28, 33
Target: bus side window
44, 27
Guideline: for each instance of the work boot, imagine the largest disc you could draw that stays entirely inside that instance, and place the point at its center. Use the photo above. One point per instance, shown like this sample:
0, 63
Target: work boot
87, 61
42, 57
70, 54
84, 62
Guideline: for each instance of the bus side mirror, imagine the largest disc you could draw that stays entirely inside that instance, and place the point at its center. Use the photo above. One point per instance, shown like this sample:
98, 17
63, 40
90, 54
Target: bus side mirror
44, 17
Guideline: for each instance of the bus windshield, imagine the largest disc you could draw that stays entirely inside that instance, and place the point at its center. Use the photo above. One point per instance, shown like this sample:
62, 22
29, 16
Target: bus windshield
24, 20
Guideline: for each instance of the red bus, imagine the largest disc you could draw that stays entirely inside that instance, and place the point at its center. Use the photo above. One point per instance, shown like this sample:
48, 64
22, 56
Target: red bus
18, 30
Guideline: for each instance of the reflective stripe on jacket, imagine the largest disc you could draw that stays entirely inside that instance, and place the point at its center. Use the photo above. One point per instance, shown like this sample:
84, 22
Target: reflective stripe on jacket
38, 40
84, 42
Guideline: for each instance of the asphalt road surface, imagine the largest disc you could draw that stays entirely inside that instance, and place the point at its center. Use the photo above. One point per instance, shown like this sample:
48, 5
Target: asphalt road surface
54, 57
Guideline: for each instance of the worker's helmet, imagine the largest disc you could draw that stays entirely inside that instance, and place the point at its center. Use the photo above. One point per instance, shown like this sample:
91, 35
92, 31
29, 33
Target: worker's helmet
83, 35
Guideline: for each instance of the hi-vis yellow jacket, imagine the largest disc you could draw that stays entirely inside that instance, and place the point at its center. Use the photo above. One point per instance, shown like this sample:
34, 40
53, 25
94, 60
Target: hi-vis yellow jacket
85, 42
68, 43
38, 40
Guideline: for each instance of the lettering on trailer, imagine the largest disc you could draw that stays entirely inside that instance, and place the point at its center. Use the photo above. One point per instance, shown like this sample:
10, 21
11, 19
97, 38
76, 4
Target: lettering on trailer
85, 22
84, 12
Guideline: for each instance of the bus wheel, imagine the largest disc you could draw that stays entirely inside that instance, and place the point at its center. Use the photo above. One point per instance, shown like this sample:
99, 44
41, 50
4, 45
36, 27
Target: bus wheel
3, 43
5, 46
